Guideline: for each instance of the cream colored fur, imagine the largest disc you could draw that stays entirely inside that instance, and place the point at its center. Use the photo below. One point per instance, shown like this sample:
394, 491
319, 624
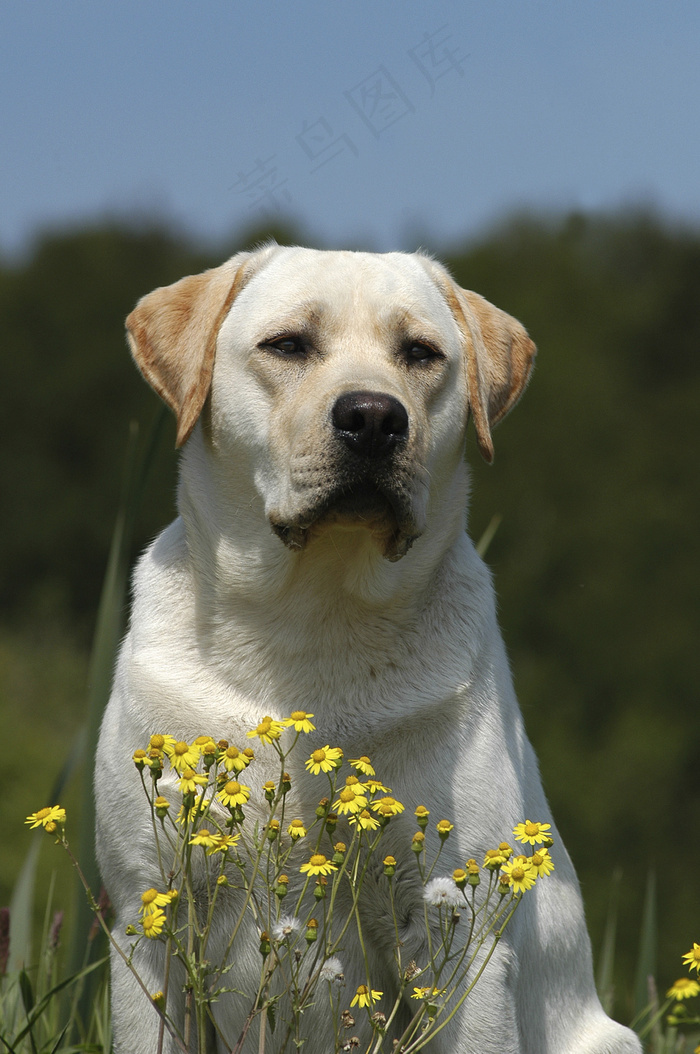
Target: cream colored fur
300, 576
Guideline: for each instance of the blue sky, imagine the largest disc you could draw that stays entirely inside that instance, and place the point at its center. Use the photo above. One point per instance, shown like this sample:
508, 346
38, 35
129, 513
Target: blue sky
372, 124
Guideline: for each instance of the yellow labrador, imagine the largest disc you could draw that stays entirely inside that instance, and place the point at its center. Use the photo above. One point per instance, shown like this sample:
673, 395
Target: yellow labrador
320, 562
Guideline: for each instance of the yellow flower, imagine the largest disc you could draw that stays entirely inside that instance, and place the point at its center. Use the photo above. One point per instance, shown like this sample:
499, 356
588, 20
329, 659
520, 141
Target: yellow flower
324, 760
531, 832
365, 996
153, 923
350, 800
299, 721
318, 865
181, 755
683, 988
542, 862
506, 850
296, 830
234, 760
267, 731
422, 815
164, 743
365, 820
191, 780
425, 993
48, 817
520, 873
387, 806
375, 786
444, 827
692, 958
493, 858
363, 765
152, 901
234, 794
205, 744
223, 842
205, 838
200, 804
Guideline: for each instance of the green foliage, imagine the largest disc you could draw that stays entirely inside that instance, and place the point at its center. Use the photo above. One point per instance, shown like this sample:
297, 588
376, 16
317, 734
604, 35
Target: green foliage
595, 558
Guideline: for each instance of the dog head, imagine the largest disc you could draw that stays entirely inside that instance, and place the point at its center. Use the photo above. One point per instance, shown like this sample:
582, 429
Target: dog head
335, 386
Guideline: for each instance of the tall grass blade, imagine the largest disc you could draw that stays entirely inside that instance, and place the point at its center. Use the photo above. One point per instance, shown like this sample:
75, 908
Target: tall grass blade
646, 962
606, 966
487, 537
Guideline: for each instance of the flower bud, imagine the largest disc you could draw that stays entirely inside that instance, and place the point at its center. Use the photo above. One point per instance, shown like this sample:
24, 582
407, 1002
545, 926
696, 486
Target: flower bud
331, 821
320, 887
311, 931
282, 886
422, 815
264, 944
389, 866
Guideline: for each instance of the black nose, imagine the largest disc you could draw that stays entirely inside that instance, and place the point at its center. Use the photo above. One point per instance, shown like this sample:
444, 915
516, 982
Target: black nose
370, 423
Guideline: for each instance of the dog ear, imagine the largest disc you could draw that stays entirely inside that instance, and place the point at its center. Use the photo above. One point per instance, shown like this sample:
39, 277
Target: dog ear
172, 334
499, 355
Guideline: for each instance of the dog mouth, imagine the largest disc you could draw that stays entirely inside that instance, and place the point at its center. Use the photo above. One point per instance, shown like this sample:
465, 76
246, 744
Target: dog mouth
385, 514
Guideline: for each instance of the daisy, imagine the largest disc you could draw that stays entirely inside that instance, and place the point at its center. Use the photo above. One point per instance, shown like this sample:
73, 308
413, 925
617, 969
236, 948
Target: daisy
299, 721
48, 817
158, 742
191, 780
153, 923
365, 820
234, 794
318, 865
222, 843
387, 806
426, 993
520, 873
233, 759
375, 786
350, 800
531, 833
204, 837
683, 988
362, 765
296, 830
365, 996
494, 858
442, 892
267, 731
324, 760
542, 862
152, 901
181, 755
692, 958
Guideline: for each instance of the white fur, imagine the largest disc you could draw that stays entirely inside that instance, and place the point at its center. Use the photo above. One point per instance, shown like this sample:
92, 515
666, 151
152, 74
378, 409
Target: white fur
399, 659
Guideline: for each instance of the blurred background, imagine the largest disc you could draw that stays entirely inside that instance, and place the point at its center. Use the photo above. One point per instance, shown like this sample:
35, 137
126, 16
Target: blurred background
549, 153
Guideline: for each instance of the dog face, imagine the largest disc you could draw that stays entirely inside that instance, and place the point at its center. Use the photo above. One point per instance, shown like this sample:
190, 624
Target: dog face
337, 385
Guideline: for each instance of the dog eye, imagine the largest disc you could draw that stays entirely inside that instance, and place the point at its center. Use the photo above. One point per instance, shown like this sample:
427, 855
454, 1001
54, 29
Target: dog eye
286, 347
418, 351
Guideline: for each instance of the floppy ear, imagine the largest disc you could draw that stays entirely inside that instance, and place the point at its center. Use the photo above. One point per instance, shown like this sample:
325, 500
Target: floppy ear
172, 334
500, 356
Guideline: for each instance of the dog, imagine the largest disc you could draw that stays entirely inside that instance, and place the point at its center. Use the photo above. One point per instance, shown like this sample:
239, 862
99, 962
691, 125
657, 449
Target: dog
320, 562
